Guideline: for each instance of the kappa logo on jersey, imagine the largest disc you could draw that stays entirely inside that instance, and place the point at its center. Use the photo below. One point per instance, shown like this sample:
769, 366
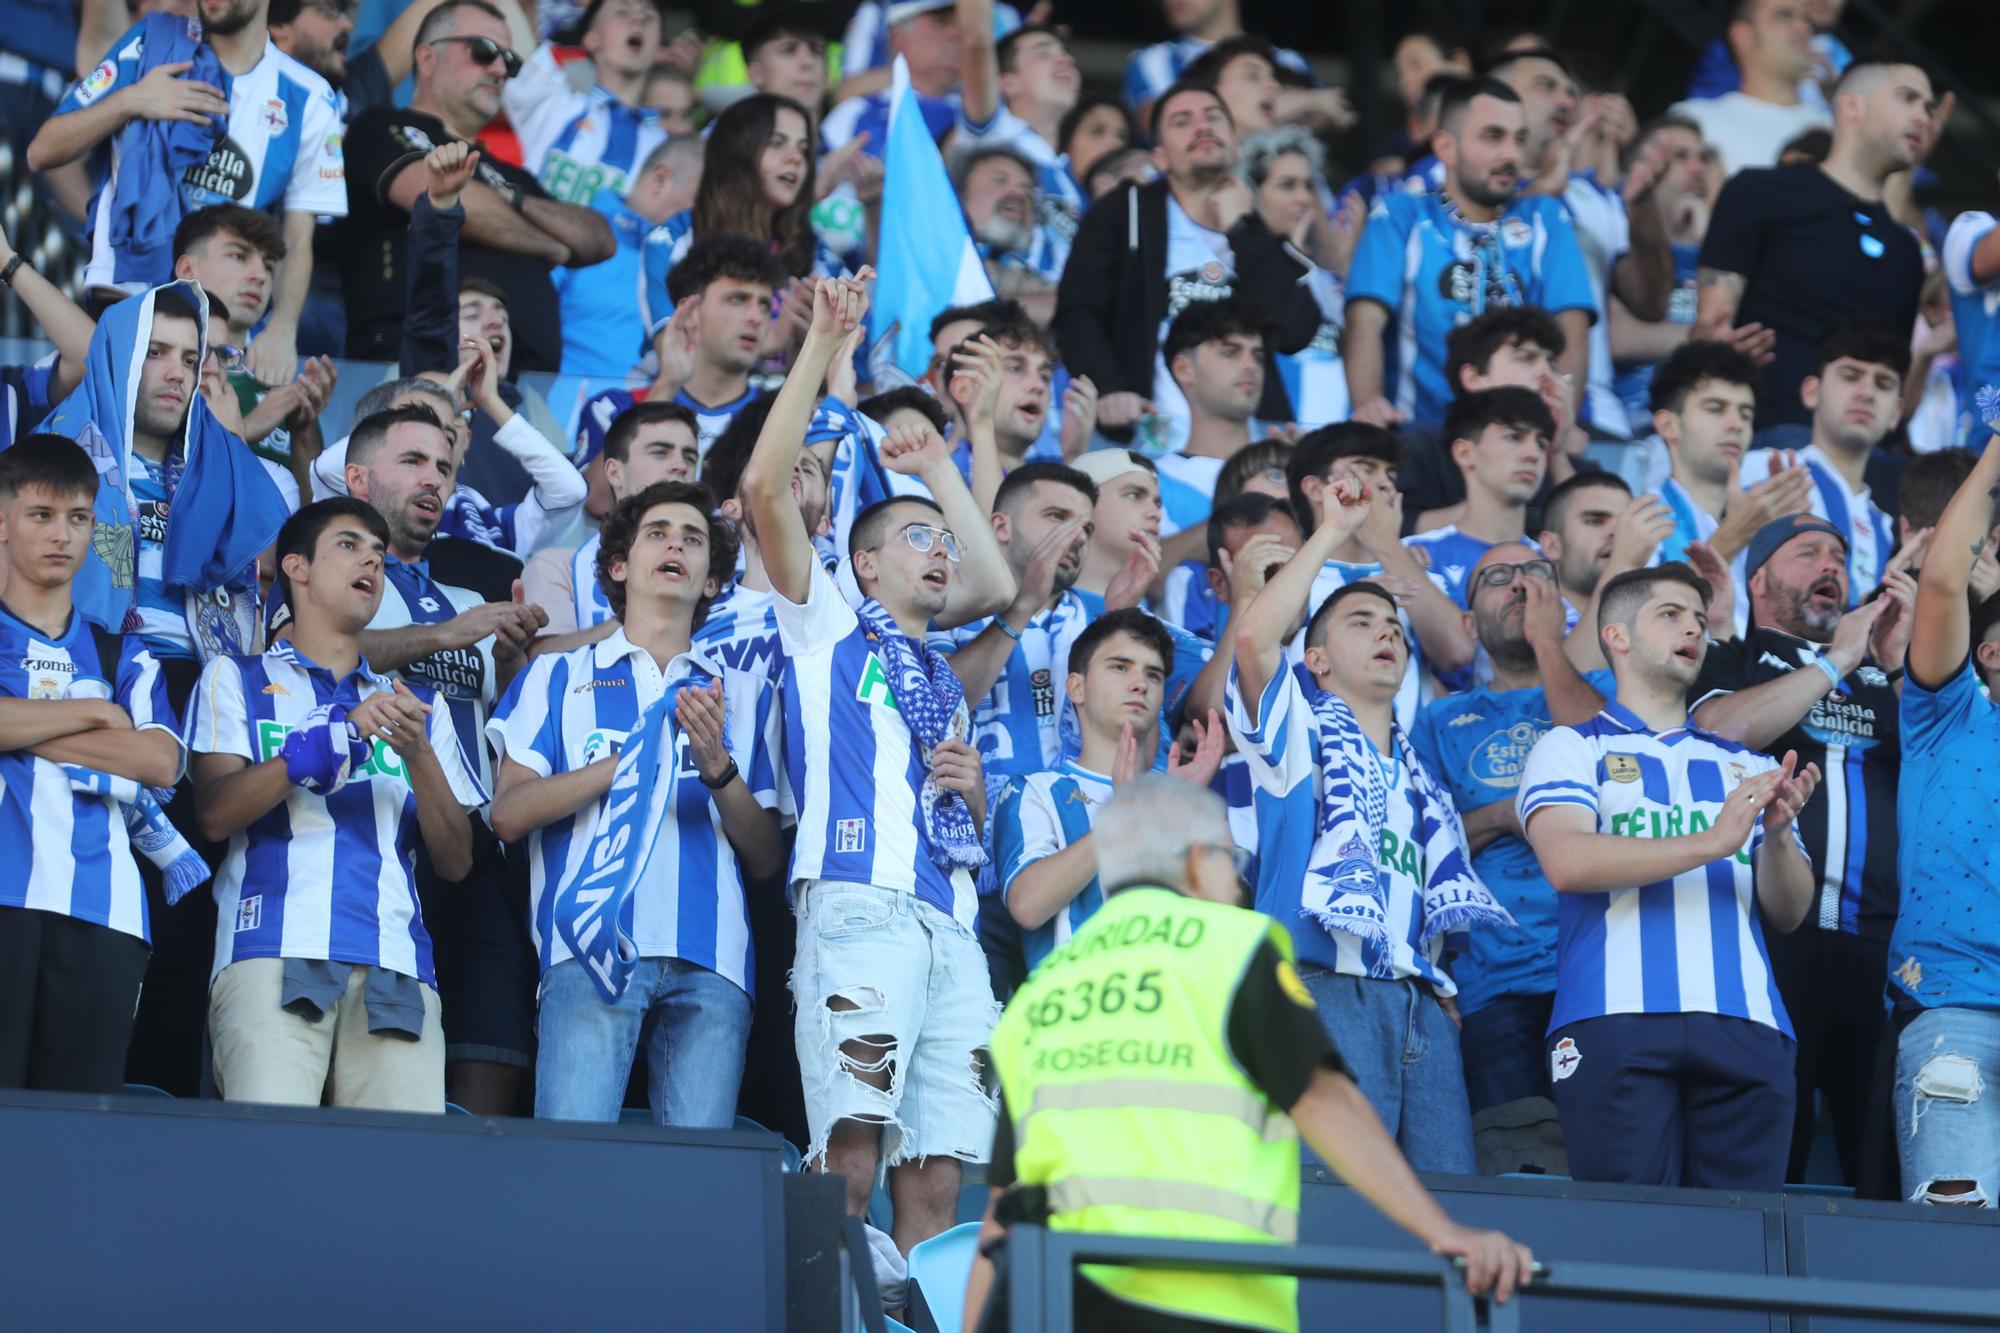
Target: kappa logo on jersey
850, 835
1466, 719
874, 687
1874, 676
1564, 1059
1767, 659
250, 913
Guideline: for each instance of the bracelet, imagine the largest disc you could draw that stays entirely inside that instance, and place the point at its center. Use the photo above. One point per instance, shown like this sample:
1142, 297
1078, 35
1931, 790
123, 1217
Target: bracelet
1832, 671
728, 776
1007, 629
7, 273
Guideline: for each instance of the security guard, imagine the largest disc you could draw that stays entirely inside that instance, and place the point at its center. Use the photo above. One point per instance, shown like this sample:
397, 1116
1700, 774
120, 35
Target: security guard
1156, 1072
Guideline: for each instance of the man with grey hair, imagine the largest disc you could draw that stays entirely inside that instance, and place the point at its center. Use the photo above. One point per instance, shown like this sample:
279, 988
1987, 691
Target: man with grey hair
1172, 974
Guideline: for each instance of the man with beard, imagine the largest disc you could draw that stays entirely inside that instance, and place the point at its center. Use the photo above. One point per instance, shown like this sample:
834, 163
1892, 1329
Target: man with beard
1012, 665
466, 650
996, 188
1799, 248
316, 33
514, 232
1014, 93
1476, 742
1855, 395
1143, 253
1669, 850
1478, 245
279, 153
1818, 679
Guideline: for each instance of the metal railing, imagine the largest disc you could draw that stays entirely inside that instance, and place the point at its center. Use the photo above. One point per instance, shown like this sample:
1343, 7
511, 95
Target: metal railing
1040, 1265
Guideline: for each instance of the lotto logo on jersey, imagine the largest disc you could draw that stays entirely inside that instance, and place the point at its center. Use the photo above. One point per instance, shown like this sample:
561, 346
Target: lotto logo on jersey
874, 685
850, 836
250, 913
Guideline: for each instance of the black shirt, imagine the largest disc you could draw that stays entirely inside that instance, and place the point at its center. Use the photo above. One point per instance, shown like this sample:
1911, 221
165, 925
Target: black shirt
1849, 826
374, 236
1812, 254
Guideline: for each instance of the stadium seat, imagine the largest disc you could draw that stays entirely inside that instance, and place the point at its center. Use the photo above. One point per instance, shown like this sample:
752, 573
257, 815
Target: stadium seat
938, 1270
792, 1158
146, 1090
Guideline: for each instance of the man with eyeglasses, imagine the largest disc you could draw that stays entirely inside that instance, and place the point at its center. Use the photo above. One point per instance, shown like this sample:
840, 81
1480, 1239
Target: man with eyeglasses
1476, 742
892, 994
1813, 677
280, 152
578, 141
1360, 852
514, 235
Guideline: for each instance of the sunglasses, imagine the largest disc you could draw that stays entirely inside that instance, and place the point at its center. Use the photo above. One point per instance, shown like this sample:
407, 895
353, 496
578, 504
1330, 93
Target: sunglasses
484, 51
1499, 576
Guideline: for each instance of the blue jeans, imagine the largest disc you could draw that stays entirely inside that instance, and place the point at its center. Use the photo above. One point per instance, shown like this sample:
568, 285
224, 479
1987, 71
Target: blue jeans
694, 1024
1947, 1126
1402, 1052
1505, 1058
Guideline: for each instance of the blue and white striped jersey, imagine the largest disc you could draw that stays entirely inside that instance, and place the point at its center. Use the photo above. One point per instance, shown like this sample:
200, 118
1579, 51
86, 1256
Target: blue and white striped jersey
667, 244
463, 677
740, 631
1690, 945
854, 769
1337, 574
1451, 554
1038, 816
1187, 490
1189, 602
281, 152
24, 398
67, 851
589, 603
865, 42
1975, 311
1151, 70
576, 141
320, 877
162, 618
1018, 725
569, 710
1287, 773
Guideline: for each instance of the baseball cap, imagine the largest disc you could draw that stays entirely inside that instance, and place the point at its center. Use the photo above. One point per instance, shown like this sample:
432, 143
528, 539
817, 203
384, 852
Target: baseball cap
902, 11
1781, 530
1101, 465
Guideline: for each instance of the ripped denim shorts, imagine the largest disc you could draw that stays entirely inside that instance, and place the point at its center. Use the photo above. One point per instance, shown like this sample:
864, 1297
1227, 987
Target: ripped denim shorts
904, 987
1948, 1107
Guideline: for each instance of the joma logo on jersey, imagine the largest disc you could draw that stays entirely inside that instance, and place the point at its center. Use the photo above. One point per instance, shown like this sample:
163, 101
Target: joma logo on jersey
382, 761
874, 687
1671, 821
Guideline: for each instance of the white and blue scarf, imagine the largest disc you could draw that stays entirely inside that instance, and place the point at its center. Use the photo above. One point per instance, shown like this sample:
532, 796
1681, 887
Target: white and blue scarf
932, 702
1346, 888
152, 835
595, 907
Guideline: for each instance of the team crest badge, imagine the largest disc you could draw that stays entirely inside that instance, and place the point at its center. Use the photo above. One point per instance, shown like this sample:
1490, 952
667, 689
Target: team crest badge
1621, 768
1564, 1059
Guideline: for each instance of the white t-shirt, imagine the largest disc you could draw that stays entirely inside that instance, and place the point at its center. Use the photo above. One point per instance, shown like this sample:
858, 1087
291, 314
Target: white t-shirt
1200, 267
1747, 131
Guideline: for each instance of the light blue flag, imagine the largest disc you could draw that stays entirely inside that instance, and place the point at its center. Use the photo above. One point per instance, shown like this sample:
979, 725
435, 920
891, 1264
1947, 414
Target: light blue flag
925, 259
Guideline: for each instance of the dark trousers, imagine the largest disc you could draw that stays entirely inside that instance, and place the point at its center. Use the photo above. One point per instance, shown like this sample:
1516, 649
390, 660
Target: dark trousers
1833, 984
1504, 1044
1675, 1099
67, 992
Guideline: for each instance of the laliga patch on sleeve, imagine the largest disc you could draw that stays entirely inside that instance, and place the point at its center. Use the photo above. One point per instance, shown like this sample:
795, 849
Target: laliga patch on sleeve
1564, 1059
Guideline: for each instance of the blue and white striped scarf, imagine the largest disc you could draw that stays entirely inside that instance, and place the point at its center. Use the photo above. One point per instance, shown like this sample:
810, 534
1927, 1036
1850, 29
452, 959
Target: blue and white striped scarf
153, 836
1346, 888
594, 908
932, 702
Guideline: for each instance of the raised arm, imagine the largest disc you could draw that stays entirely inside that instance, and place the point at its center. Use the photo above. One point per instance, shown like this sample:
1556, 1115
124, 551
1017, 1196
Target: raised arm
1259, 629
978, 62
838, 307
62, 321
982, 584
490, 217
1757, 715
1942, 635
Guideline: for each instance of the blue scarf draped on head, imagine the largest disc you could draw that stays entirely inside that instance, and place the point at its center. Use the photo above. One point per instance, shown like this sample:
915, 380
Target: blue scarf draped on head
932, 702
1346, 888
594, 908
153, 155
224, 508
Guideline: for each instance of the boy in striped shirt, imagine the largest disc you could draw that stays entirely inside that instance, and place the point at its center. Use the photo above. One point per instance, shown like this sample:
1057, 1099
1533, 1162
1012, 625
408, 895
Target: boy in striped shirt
894, 1005
1041, 828
327, 778
559, 732
76, 704
1670, 1049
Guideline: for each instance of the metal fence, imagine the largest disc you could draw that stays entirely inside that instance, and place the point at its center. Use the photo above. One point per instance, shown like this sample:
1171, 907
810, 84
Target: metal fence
1040, 1267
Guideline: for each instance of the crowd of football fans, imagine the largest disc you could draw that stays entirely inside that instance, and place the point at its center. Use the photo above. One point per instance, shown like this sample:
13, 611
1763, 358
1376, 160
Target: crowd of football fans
1566, 537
